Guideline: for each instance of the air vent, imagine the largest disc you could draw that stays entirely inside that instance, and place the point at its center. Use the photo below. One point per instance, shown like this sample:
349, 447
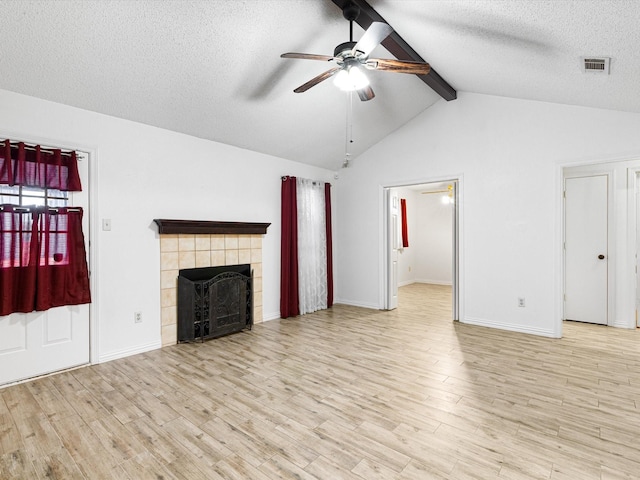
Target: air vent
596, 65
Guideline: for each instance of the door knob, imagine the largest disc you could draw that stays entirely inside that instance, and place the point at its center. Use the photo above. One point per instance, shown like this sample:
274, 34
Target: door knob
601, 257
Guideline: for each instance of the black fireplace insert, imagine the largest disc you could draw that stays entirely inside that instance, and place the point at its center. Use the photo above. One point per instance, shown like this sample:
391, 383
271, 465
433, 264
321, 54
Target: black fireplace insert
214, 301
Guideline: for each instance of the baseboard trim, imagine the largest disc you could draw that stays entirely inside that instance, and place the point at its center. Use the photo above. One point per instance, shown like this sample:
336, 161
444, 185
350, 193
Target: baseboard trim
435, 282
480, 322
352, 303
620, 324
267, 317
129, 351
428, 282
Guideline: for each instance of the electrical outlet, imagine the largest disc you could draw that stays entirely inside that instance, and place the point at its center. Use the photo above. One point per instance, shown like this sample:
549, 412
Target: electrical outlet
521, 301
137, 317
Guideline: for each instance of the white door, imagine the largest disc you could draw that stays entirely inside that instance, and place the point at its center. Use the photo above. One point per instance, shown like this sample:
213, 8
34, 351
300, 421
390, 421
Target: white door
38, 343
586, 252
455, 276
393, 218
637, 193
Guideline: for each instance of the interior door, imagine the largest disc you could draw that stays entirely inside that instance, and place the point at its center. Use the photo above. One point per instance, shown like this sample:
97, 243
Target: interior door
38, 343
393, 217
455, 277
637, 195
586, 249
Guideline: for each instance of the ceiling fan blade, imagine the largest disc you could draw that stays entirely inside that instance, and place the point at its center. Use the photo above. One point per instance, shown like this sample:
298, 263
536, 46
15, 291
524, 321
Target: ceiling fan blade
316, 80
398, 66
307, 56
366, 93
375, 34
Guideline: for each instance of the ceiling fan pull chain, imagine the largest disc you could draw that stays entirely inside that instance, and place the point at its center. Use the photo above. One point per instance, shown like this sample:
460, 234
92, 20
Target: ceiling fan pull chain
349, 131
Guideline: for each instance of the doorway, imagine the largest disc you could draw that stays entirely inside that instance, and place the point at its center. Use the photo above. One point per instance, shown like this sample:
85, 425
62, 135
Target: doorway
429, 255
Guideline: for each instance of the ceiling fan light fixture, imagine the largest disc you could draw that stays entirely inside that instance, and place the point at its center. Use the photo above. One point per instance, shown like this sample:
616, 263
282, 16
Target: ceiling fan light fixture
351, 79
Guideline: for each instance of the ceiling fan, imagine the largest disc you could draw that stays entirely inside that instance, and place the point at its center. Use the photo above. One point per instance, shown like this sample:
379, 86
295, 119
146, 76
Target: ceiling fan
352, 57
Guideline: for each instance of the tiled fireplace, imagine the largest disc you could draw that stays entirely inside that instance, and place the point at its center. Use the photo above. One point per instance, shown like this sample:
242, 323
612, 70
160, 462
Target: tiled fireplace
193, 244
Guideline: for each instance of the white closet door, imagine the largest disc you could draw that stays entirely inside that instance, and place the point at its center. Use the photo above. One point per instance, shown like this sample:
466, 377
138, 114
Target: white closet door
586, 249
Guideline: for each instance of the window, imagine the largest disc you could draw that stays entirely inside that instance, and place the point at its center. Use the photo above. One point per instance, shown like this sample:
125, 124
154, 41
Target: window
41, 197
55, 253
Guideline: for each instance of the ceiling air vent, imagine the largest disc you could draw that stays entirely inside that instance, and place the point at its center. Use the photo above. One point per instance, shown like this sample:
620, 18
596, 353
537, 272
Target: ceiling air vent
596, 65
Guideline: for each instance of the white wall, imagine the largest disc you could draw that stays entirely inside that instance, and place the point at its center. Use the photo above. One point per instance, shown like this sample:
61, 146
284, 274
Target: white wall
508, 154
428, 259
433, 240
140, 173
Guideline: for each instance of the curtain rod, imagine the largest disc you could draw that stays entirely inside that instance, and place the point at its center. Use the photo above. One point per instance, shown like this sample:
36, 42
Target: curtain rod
314, 182
28, 146
24, 209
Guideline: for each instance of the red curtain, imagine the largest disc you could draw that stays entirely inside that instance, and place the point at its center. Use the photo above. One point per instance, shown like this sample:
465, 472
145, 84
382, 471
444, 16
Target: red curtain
289, 297
289, 306
405, 233
42, 259
35, 167
18, 254
327, 206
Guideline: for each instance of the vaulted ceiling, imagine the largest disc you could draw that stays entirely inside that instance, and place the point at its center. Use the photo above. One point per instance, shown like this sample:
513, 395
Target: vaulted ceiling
212, 68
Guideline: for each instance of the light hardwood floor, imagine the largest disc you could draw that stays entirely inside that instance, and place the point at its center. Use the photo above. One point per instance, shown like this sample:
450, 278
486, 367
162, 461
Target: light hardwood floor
347, 393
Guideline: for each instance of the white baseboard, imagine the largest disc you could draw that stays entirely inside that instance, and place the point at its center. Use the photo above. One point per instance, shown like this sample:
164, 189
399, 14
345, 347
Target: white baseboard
267, 317
509, 326
129, 351
622, 324
432, 282
435, 282
356, 304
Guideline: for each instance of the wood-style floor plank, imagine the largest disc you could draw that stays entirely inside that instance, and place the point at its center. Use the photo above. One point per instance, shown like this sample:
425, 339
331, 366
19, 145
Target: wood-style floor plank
345, 393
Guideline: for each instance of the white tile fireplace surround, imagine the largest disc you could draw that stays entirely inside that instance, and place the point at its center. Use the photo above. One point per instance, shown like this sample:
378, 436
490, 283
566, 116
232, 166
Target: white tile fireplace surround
194, 244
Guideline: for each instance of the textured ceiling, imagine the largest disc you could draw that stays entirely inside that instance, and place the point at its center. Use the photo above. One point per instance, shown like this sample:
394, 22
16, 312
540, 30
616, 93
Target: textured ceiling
212, 68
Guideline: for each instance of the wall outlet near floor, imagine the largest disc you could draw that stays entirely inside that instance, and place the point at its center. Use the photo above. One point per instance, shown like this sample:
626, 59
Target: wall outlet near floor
521, 301
137, 317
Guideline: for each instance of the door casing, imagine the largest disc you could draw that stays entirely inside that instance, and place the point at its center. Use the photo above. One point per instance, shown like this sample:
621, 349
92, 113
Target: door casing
457, 254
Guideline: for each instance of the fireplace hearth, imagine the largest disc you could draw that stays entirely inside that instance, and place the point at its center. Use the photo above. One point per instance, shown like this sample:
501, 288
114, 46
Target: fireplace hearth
214, 301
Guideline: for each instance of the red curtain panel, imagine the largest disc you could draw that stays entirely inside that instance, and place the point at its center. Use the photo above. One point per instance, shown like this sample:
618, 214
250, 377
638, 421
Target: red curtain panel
37, 167
405, 233
289, 300
18, 259
327, 207
62, 274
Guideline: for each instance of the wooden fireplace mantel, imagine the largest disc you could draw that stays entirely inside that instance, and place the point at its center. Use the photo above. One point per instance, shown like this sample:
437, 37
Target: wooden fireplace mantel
210, 227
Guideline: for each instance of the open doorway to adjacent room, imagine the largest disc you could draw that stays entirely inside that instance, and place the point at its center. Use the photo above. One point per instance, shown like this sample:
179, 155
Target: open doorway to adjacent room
421, 238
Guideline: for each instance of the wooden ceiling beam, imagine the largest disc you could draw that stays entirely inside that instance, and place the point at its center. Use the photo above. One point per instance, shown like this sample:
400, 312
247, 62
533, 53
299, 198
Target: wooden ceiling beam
396, 45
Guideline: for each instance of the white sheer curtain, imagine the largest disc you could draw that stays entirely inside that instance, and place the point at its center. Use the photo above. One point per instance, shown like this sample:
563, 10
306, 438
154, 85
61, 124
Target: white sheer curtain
312, 246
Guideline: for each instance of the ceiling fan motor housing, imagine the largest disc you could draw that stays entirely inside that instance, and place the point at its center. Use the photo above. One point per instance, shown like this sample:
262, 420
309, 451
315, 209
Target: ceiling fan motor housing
343, 48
